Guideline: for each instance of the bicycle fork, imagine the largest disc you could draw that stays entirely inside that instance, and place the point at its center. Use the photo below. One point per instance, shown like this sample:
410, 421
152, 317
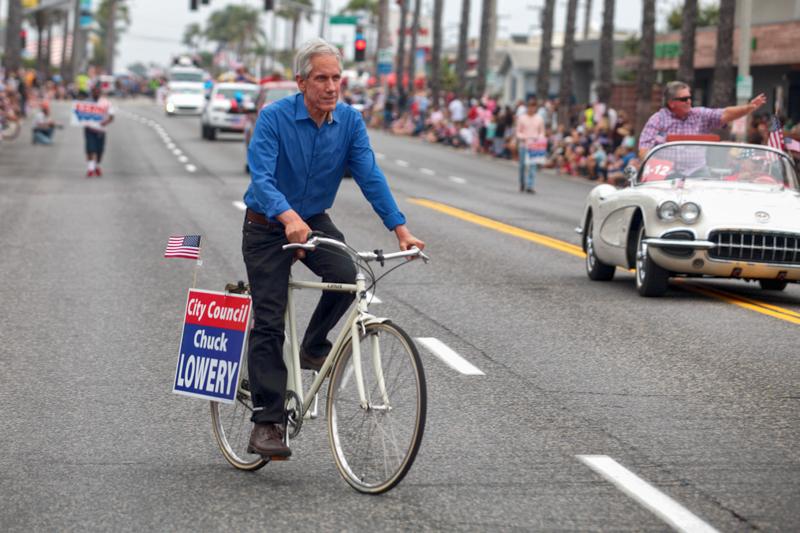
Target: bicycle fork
375, 349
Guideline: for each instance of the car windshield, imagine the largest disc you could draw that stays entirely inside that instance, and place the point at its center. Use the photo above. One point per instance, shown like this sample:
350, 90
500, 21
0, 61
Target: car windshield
276, 94
186, 76
725, 162
229, 92
186, 90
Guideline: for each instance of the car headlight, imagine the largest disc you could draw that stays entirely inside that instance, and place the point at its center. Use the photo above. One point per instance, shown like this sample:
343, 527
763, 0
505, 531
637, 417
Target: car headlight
690, 212
668, 211
170, 107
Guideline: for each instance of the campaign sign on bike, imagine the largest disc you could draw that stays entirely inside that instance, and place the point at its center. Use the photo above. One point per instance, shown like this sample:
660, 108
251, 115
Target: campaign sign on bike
212, 344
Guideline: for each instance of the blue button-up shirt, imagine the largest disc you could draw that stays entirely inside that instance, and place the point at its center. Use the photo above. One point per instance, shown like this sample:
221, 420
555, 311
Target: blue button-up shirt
296, 165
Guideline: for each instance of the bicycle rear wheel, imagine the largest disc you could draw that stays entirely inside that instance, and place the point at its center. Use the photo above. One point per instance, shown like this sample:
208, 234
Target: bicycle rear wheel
232, 426
375, 446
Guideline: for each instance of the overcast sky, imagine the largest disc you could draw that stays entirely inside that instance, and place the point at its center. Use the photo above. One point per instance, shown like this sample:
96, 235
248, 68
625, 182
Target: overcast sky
157, 25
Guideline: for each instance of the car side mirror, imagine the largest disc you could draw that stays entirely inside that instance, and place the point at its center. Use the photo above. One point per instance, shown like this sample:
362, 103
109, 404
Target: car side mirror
630, 173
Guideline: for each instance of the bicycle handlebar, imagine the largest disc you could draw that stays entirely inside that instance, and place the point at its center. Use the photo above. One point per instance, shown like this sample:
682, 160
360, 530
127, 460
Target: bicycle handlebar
377, 255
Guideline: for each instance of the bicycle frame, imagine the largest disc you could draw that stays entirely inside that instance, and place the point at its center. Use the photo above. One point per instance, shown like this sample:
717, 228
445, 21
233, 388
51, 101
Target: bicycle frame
357, 317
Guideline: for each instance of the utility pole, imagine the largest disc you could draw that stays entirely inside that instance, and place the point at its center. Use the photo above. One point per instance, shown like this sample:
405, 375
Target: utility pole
323, 18
744, 82
412, 59
587, 17
12, 60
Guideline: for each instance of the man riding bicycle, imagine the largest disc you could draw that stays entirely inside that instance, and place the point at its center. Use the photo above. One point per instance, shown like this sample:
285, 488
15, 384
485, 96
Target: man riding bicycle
300, 147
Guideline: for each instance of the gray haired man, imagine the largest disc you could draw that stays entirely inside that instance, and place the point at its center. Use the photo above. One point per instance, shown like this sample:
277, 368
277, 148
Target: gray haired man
297, 156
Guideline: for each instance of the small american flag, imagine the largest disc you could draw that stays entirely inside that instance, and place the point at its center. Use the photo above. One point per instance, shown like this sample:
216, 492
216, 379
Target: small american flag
776, 134
186, 246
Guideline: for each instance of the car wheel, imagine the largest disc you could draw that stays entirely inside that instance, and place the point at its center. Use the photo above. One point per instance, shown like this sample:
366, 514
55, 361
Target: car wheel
772, 284
203, 131
651, 279
212, 134
596, 269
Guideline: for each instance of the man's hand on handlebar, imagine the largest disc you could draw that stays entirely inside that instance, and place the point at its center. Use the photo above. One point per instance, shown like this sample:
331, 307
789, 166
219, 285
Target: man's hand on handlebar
406, 240
297, 230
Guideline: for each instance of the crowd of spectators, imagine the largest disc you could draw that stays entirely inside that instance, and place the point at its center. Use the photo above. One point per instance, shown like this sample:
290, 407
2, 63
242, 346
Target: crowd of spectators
597, 142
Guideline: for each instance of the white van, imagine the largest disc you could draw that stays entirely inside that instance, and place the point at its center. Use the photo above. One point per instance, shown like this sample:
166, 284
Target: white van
185, 91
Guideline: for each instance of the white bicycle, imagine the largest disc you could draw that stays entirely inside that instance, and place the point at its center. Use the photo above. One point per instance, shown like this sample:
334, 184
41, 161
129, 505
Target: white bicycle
377, 397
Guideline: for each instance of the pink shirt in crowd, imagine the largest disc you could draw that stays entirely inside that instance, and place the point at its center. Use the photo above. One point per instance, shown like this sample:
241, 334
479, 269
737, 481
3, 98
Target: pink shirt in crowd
530, 126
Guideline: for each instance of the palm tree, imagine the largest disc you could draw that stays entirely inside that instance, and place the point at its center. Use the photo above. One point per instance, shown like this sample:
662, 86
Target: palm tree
412, 60
487, 24
645, 76
463, 36
436, 52
112, 18
235, 25
567, 63
606, 53
12, 58
688, 25
401, 50
192, 36
587, 15
294, 13
546, 50
723, 91
383, 27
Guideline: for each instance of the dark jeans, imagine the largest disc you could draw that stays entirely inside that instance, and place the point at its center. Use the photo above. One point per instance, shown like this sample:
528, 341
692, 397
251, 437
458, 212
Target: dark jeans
268, 268
95, 142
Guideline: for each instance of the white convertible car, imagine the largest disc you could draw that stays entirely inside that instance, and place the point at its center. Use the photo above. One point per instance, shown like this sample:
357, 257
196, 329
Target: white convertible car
704, 209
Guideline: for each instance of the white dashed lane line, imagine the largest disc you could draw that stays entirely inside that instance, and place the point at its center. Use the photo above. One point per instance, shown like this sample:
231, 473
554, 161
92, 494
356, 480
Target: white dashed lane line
448, 356
456, 179
171, 146
401, 163
427, 171
667, 509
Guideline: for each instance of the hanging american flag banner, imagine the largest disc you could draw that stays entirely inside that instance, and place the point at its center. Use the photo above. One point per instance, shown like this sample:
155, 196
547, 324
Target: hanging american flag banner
186, 246
776, 134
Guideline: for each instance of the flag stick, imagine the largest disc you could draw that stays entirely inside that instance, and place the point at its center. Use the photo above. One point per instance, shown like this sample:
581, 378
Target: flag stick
197, 265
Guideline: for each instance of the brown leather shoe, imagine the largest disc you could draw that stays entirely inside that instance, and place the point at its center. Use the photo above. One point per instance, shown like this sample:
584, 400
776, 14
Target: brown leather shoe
308, 362
267, 441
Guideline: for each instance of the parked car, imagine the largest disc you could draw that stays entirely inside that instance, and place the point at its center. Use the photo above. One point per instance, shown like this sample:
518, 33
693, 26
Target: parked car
227, 108
699, 209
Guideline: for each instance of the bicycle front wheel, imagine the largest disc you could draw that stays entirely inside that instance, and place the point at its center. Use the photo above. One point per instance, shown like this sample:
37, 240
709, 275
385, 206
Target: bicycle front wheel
232, 426
374, 445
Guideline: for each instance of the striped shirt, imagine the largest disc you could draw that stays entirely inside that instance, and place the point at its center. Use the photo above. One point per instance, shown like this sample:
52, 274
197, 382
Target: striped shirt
664, 122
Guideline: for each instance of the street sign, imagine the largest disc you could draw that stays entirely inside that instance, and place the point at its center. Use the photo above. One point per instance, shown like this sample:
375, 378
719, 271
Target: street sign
386, 55
212, 345
744, 87
343, 19
385, 60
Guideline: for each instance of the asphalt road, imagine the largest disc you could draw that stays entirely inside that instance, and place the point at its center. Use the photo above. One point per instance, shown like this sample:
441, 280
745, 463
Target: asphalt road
694, 394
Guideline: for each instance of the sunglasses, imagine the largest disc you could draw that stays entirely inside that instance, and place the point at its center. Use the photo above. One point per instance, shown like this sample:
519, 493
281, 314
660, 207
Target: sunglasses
682, 99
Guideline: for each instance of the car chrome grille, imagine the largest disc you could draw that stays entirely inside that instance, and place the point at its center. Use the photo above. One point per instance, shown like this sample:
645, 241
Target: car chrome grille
756, 246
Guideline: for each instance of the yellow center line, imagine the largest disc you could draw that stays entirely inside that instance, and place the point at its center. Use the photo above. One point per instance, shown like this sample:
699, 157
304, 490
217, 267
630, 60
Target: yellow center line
501, 227
734, 299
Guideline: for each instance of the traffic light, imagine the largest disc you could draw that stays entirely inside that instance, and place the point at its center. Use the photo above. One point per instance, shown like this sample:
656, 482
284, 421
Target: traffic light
193, 5
269, 5
360, 48
23, 38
